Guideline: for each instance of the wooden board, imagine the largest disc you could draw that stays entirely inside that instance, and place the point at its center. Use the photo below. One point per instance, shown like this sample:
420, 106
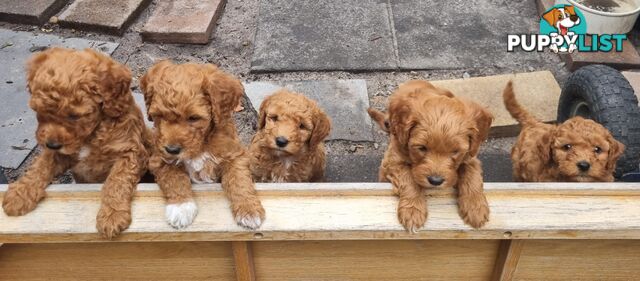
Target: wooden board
117, 261
331, 211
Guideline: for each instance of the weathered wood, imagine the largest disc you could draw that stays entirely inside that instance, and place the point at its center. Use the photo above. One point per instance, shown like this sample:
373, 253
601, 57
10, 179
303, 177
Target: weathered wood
507, 260
346, 211
243, 259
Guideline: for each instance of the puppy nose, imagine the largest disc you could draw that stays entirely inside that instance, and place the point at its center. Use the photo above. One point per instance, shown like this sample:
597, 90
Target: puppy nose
53, 145
173, 149
435, 180
573, 18
583, 166
281, 141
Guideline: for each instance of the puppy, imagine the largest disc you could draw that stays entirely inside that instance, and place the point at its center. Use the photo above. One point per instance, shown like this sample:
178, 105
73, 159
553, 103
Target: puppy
578, 150
289, 144
195, 139
562, 18
87, 122
434, 140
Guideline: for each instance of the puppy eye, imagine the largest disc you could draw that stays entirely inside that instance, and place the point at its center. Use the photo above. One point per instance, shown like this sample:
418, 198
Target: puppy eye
455, 152
597, 150
273, 118
194, 118
73, 117
422, 148
566, 147
302, 127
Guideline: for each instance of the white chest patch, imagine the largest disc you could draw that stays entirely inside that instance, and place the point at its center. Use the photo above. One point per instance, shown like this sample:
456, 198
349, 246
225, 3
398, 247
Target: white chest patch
202, 169
84, 152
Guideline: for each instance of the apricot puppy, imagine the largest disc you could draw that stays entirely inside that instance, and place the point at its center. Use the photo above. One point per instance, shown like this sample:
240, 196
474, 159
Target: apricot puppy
87, 122
195, 139
289, 144
578, 150
434, 140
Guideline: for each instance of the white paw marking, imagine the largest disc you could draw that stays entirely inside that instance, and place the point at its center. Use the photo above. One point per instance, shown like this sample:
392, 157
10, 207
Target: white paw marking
181, 215
84, 152
196, 168
248, 221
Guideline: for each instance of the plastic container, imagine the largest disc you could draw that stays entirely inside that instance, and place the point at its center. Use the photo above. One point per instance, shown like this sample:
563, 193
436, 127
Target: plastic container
599, 22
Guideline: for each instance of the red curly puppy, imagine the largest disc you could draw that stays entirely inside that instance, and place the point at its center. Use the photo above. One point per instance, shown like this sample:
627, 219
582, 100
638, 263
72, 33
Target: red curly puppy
289, 144
195, 139
578, 150
87, 122
434, 140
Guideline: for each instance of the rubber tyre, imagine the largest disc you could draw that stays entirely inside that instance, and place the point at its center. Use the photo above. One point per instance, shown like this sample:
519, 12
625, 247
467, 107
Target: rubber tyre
601, 93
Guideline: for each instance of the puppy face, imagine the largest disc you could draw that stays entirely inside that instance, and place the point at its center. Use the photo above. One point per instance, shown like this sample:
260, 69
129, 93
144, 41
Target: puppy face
584, 150
437, 132
71, 92
186, 102
291, 123
562, 18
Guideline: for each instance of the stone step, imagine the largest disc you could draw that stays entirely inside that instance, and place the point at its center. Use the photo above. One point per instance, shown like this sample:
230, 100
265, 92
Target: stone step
627, 59
183, 21
109, 16
29, 11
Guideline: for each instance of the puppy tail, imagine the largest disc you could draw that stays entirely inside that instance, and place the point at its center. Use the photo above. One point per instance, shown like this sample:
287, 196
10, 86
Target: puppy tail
515, 109
380, 118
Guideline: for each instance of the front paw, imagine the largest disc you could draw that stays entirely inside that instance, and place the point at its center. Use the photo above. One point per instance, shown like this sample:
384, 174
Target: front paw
19, 200
181, 215
249, 214
412, 218
111, 222
474, 210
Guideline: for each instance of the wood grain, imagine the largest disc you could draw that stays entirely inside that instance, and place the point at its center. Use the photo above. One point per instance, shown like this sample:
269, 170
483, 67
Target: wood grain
507, 260
243, 259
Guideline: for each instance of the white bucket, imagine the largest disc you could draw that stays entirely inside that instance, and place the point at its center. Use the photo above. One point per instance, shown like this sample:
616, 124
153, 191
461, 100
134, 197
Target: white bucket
599, 22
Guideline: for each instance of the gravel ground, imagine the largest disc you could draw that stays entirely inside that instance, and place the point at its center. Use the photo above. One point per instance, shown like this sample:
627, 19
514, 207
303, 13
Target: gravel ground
231, 49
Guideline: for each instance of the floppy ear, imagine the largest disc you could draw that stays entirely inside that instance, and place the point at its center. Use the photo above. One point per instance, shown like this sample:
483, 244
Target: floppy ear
380, 118
149, 81
482, 119
113, 82
551, 16
570, 9
225, 92
616, 149
34, 64
262, 115
321, 127
544, 146
401, 121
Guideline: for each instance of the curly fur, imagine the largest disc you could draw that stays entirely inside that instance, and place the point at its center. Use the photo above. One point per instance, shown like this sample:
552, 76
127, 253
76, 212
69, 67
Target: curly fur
546, 152
83, 103
304, 125
434, 134
191, 106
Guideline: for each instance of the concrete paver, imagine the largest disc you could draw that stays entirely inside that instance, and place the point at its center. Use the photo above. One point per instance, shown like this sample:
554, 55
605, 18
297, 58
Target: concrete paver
345, 101
182, 21
29, 11
323, 35
17, 120
111, 16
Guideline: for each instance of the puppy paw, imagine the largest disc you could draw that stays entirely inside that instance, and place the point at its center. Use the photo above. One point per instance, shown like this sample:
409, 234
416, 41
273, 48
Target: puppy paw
412, 218
249, 214
474, 210
18, 201
111, 222
181, 215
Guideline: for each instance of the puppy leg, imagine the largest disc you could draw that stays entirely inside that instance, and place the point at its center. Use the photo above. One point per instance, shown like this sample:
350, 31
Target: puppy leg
114, 215
412, 206
24, 194
181, 209
240, 189
472, 204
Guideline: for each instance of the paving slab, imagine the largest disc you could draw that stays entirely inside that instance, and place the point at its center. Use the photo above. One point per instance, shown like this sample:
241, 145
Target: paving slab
29, 11
634, 79
544, 5
461, 33
323, 35
537, 91
110, 16
627, 59
345, 101
17, 120
182, 21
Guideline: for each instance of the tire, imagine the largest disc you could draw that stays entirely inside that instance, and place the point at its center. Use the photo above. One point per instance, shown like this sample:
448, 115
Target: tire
601, 93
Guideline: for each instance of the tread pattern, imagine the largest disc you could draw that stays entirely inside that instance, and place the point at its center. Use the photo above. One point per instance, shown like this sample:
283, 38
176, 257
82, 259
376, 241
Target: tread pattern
613, 104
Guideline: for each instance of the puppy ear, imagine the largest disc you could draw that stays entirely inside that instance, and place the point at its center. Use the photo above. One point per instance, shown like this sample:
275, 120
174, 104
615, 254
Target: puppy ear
34, 64
571, 10
149, 81
401, 121
482, 119
321, 127
544, 146
551, 16
262, 115
225, 92
616, 149
113, 81
380, 118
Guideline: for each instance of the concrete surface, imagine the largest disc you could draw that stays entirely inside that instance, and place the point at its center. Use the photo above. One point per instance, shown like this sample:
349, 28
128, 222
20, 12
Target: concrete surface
323, 35
345, 101
537, 91
17, 120
29, 11
182, 21
111, 16
627, 59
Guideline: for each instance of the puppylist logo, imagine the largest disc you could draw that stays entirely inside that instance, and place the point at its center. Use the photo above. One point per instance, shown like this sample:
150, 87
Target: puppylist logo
563, 29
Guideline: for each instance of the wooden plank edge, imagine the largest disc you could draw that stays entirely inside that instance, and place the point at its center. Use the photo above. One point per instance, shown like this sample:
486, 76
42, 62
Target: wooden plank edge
243, 259
507, 260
